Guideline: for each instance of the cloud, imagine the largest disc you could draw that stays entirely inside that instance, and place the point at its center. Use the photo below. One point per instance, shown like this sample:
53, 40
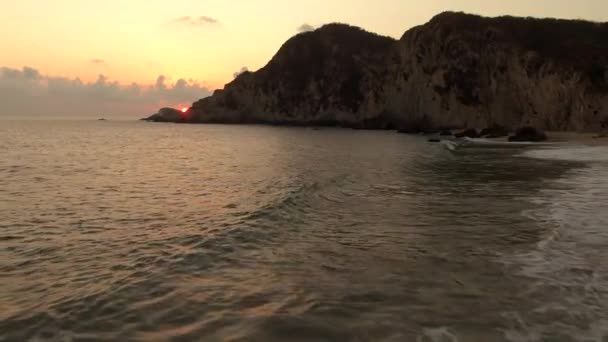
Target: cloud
98, 61
243, 70
197, 21
27, 92
305, 28
160, 82
208, 20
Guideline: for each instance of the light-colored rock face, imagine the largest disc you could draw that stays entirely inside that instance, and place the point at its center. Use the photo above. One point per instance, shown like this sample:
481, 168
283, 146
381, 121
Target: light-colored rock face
456, 71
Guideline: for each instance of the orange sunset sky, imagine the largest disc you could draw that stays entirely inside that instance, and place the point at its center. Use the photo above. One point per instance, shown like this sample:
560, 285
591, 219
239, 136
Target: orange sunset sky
206, 42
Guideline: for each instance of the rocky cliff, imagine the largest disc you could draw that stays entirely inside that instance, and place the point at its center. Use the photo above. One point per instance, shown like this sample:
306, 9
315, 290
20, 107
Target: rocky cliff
458, 70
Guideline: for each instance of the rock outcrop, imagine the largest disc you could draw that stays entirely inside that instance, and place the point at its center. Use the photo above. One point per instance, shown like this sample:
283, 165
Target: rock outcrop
166, 115
528, 134
496, 131
457, 71
468, 133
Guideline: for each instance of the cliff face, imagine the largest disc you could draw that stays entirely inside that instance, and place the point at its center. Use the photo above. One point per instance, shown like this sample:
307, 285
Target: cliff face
468, 71
320, 77
457, 70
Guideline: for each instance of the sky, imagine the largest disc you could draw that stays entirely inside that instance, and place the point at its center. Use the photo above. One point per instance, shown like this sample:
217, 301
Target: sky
128, 57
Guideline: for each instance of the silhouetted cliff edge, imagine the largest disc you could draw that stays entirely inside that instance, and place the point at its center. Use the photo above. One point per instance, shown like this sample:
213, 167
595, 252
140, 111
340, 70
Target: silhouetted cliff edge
458, 70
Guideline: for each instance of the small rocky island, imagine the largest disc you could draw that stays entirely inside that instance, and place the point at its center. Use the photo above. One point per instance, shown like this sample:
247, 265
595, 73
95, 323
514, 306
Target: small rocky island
456, 71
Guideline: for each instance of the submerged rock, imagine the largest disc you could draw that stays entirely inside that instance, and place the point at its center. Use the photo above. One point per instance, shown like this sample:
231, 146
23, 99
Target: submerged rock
529, 134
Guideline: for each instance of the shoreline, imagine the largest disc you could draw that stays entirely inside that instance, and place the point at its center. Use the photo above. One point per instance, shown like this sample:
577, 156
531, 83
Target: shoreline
587, 139
565, 137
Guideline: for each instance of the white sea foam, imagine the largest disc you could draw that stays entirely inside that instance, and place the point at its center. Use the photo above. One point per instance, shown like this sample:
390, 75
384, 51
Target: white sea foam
570, 259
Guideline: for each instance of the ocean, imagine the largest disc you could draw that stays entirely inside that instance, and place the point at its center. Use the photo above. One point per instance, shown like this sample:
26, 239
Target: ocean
120, 231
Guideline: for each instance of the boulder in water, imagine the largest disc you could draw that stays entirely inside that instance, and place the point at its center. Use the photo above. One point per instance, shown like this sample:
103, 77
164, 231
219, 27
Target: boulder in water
468, 133
531, 134
495, 131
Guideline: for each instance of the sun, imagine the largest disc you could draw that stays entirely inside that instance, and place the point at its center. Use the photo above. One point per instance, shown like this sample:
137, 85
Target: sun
184, 110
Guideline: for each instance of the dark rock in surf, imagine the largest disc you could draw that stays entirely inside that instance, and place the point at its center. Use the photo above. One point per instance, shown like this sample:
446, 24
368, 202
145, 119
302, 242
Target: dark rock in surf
468, 133
495, 131
530, 134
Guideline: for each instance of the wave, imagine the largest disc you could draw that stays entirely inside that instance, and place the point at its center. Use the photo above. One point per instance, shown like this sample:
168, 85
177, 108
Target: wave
567, 265
574, 153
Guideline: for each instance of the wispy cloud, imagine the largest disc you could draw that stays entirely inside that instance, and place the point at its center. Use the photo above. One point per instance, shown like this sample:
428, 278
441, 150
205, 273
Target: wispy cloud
27, 92
197, 21
305, 28
98, 61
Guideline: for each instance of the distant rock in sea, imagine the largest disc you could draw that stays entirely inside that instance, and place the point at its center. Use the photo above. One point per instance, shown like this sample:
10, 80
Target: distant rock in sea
458, 70
166, 115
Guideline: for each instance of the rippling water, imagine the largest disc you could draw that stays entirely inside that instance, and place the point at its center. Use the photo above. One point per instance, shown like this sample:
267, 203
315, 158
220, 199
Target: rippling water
153, 232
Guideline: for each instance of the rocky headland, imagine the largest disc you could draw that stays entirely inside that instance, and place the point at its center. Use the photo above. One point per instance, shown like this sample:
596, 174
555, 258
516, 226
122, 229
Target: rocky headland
456, 71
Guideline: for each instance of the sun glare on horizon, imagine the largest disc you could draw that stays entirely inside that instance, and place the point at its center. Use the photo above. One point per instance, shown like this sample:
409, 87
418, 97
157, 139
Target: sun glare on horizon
184, 109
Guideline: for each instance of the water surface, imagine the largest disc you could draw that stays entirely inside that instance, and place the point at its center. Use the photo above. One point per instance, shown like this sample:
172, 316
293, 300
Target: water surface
157, 232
